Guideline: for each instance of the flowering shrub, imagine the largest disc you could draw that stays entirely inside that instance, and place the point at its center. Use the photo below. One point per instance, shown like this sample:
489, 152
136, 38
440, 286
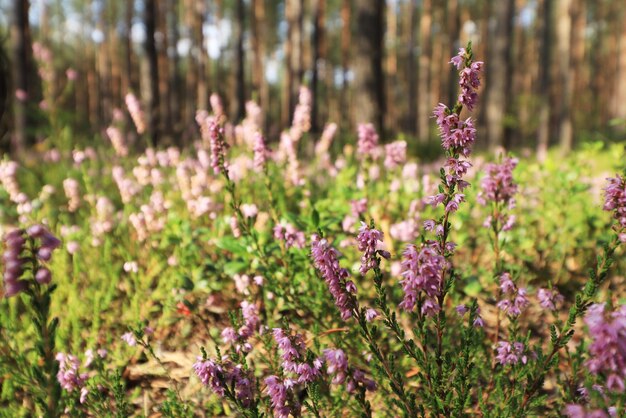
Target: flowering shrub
232, 278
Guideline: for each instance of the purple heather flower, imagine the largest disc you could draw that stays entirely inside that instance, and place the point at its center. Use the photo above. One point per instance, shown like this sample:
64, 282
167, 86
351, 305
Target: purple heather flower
423, 272
395, 154
368, 241
43, 276
371, 314
136, 114
461, 309
260, 151
508, 353
514, 299
367, 140
292, 348
68, 376
579, 411
608, 347
615, 198
549, 298
469, 78
358, 207
129, 338
216, 136
226, 375
210, 374
453, 204
290, 235
337, 363
498, 185
325, 259
281, 397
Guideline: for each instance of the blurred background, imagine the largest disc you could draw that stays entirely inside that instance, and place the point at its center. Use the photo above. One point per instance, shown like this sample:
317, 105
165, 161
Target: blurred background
555, 69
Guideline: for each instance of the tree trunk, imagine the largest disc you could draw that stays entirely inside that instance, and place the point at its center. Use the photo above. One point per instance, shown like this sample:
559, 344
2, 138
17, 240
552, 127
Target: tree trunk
564, 29
412, 68
199, 58
20, 32
497, 88
240, 24
318, 60
293, 57
174, 77
345, 59
545, 79
368, 63
162, 42
423, 89
454, 29
391, 65
153, 71
619, 101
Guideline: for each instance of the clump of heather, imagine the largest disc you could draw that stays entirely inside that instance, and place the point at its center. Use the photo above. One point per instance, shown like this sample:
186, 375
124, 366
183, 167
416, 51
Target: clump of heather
25, 251
136, 113
368, 242
117, 140
368, 140
290, 235
227, 380
549, 298
353, 378
607, 351
26, 273
216, 136
69, 376
260, 151
422, 277
499, 188
325, 259
615, 201
72, 192
514, 299
395, 154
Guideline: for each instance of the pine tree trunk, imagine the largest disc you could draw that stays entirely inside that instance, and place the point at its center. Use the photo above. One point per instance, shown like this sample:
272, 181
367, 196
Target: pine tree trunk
369, 89
497, 88
20, 33
318, 59
619, 101
240, 24
412, 68
564, 29
391, 65
423, 86
346, 40
545, 79
152, 71
162, 44
174, 77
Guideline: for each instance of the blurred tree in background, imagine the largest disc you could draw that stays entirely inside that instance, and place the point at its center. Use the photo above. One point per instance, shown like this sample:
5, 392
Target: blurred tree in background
556, 73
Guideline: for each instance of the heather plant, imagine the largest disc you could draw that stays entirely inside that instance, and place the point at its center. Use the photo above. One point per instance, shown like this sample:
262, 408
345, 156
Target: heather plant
256, 276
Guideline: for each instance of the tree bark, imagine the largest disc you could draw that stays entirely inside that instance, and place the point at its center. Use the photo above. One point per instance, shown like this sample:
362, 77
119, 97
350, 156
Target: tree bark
346, 40
412, 69
497, 89
240, 24
20, 33
423, 89
545, 79
369, 84
391, 66
318, 60
619, 101
153, 71
564, 29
